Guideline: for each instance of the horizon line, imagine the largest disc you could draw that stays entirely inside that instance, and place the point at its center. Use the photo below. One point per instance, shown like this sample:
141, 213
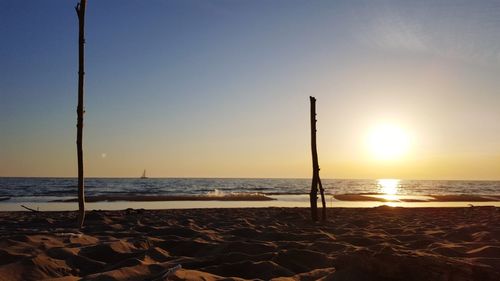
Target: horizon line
277, 178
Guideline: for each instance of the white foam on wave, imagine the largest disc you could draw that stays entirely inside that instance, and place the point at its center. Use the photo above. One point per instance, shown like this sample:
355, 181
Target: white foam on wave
220, 193
216, 193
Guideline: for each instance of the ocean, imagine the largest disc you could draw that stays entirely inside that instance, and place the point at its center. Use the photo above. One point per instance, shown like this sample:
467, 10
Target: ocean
49, 189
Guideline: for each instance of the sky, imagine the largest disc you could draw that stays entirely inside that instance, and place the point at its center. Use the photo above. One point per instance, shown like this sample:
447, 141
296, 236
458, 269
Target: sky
221, 88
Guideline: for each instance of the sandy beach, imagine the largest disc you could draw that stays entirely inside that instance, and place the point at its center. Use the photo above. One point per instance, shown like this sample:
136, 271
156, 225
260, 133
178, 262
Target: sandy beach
382, 243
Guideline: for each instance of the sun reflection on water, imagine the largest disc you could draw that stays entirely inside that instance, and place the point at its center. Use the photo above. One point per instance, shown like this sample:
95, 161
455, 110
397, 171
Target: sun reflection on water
389, 188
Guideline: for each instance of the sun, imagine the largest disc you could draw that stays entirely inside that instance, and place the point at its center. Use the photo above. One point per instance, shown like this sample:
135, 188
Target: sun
388, 142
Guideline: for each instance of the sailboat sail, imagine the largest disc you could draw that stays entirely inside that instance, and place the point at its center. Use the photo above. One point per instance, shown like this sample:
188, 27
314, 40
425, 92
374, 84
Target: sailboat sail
144, 175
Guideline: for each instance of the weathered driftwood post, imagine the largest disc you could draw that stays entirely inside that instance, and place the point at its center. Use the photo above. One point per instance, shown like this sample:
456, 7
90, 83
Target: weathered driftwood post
80, 11
323, 201
316, 181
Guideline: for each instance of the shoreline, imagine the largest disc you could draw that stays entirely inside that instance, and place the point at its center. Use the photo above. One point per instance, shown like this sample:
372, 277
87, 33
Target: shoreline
246, 200
253, 243
292, 201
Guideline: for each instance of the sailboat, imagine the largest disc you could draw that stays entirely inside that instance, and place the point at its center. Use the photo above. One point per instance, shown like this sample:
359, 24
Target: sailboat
144, 175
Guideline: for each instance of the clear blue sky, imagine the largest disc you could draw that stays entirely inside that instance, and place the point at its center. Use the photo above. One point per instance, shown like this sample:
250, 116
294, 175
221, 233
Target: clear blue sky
220, 88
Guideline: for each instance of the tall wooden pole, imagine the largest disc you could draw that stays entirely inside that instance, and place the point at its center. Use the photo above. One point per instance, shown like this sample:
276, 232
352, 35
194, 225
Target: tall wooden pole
313, 196
323, 201
316, 181
80, 11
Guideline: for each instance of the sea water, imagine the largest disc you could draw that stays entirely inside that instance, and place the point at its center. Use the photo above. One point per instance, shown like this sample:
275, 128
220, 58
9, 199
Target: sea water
49, 189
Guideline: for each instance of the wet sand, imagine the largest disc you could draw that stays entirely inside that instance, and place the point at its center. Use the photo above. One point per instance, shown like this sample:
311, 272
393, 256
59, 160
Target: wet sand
382, 243
428, 198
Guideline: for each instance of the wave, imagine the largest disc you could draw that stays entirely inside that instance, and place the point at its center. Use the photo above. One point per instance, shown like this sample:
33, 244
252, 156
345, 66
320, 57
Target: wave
215, 195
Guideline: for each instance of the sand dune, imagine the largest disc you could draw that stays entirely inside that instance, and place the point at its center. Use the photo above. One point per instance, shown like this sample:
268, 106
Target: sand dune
382, 243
